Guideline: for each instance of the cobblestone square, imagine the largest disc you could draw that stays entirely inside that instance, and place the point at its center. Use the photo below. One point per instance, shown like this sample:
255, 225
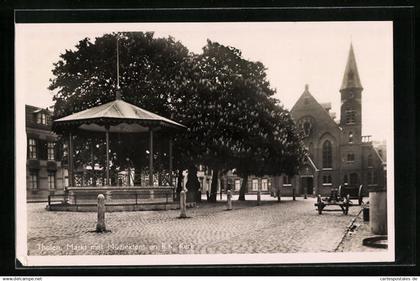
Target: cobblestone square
273, 227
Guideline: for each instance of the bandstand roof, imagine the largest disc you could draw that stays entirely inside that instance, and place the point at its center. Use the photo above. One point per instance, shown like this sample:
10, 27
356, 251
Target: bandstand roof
120, 116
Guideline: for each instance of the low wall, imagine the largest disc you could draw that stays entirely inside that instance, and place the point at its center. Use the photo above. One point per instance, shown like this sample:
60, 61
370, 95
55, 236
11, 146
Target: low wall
116, 208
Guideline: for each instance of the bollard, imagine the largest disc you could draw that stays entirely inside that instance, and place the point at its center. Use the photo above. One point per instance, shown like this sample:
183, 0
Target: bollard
229, 200
100, 226
183, 204
258, 197
293, 194
278, 196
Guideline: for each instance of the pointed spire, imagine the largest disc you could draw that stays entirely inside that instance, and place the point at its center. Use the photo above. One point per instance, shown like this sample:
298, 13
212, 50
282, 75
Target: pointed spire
351, 74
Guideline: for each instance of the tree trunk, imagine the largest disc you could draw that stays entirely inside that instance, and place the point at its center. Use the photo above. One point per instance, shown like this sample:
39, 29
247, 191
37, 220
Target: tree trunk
193, 185
213, 190
244, 188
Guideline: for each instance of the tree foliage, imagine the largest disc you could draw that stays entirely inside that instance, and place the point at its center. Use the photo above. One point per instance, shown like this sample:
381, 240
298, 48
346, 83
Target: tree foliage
224, 99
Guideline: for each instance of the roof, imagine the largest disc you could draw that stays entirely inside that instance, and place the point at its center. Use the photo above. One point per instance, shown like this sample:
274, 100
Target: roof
121, 116
308, 105
31, 118
351, 77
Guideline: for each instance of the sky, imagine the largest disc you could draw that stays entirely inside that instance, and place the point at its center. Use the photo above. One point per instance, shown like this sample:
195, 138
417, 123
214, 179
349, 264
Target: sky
294, 53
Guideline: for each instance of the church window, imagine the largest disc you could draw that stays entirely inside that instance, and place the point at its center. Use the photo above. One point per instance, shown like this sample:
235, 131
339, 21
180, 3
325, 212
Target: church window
327, 154
350, 157
350, 116
305, 125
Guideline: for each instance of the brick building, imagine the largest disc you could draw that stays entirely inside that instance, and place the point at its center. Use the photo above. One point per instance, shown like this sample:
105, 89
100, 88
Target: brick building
338, 153
44, 171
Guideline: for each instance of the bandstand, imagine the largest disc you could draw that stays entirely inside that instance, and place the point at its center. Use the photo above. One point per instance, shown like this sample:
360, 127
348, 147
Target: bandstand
115, 117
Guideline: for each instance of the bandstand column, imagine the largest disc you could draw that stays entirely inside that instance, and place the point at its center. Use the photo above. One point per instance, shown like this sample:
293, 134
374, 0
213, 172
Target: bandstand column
107, 153
150, 156
70, 172
170, 162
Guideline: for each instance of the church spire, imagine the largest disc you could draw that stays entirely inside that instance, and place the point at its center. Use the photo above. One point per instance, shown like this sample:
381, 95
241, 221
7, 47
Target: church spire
351, 75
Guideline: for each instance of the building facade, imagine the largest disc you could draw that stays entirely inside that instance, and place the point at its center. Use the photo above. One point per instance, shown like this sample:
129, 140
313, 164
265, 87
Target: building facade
44, 171
338, 153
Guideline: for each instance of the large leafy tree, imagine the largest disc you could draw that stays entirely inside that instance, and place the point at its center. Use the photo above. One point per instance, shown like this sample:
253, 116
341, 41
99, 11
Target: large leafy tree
224, 100
233, 120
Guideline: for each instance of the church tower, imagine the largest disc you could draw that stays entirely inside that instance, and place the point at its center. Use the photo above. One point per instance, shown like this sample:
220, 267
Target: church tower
351, 102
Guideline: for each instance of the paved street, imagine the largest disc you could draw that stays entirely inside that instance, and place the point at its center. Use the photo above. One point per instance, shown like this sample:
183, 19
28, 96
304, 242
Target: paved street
288, 226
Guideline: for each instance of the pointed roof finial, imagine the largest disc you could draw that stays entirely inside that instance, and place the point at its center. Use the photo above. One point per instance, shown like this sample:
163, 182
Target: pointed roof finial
306, 88
351, 77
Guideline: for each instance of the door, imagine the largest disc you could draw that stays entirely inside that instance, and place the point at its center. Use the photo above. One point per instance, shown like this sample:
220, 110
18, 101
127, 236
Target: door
308, 185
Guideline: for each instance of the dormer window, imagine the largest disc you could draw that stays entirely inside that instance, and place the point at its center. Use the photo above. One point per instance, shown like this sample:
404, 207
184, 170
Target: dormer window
41, 118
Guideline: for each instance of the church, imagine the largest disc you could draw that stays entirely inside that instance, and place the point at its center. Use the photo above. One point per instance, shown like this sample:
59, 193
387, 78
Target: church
338, 154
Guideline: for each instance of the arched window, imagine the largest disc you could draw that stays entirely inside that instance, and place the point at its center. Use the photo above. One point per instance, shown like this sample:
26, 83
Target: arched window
351, 137
327, 154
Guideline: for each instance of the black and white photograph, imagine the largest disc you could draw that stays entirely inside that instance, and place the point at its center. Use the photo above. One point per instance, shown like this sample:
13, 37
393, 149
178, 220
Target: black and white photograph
173, 143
